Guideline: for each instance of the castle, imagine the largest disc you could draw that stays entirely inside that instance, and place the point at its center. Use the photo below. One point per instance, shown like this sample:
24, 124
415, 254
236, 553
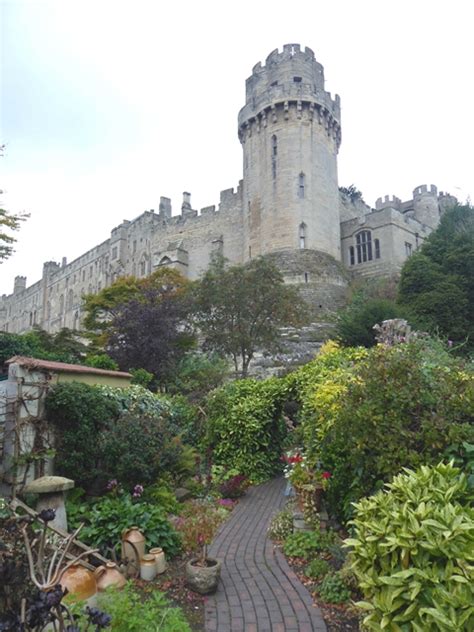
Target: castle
288, 206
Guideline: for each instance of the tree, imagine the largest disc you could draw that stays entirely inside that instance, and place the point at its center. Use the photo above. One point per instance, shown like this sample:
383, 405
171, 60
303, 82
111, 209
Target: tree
100, 309
151, 331
64, 346
240, 309
437, 282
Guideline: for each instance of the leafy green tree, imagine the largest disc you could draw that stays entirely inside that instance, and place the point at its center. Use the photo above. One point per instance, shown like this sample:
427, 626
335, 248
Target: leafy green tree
240, 309
8, 222
64, 346
437, 282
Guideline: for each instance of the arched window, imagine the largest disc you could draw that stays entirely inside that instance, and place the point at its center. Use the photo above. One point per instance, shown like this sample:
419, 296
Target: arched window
302, 236
351, 255
364, 246
61, 304
301, 183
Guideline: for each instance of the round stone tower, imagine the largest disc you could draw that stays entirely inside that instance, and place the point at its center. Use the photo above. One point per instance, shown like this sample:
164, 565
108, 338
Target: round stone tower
426, 206
290, 133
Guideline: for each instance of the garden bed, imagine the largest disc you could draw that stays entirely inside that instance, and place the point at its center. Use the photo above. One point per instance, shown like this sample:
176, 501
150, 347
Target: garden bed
172, 583
337, 617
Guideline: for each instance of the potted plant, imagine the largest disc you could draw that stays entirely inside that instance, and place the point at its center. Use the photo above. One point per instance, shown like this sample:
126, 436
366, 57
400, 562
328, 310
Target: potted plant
198, 524
309, 482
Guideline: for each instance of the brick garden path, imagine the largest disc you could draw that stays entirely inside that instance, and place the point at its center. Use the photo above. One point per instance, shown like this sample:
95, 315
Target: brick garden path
258, 591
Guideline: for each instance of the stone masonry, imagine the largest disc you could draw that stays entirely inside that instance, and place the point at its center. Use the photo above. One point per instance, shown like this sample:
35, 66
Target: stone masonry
287, 206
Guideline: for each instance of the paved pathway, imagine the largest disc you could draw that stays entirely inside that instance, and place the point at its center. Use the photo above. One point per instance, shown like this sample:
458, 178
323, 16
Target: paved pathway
258, 591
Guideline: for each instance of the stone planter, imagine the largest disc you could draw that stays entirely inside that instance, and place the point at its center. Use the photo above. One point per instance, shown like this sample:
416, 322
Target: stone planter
203, 579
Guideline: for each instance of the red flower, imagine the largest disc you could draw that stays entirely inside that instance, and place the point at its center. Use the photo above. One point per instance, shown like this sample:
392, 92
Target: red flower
326, 475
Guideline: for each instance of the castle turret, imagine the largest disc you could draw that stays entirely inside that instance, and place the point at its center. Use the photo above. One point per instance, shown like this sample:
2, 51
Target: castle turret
19, 285
290, 133
425, 205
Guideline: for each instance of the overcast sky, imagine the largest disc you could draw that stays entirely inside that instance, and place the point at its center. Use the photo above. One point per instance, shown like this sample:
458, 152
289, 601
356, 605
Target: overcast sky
106, 105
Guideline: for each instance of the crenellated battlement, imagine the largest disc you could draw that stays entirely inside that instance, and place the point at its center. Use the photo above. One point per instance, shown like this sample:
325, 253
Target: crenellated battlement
425, 189
292, 74
389, 201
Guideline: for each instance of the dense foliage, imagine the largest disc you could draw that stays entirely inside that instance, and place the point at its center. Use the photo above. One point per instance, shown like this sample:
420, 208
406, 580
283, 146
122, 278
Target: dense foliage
397, 406
355, 324
64, 346
80, 414
9, 222
106, 519
437, 282
150, 332
130, 613
245, 427
240, 309
107, 433
413, 552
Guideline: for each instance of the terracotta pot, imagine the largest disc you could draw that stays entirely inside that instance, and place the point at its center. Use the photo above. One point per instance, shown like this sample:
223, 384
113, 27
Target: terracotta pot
203, 579
148, 568
80, 583
160, 559
135, 537
109, 575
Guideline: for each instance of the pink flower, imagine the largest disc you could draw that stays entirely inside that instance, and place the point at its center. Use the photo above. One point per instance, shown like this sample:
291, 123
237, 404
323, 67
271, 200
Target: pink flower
137, 491
326, 475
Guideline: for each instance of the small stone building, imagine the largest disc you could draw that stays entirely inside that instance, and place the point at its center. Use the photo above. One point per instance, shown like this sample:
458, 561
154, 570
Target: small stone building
22, 423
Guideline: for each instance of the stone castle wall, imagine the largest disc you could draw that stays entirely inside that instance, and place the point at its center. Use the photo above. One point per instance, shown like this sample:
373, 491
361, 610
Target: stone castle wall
287, 206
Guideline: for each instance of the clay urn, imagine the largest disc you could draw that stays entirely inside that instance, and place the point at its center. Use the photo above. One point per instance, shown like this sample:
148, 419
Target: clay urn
109, 575
160, 559
133, 544
80, 583
148, 567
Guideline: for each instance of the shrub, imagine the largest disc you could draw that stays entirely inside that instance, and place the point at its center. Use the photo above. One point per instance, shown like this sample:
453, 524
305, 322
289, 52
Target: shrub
281, 525
317, 568
141, 377
413, 552
139, 449
245, 428
333, 588
105, 520
79, 413
399, 406
197, 524
197, 374
101, 361
111, 433
303, 544
234, 487
355, 323
131, 613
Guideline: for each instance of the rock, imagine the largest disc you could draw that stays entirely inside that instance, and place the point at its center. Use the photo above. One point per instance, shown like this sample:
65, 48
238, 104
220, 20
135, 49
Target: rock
182, 494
